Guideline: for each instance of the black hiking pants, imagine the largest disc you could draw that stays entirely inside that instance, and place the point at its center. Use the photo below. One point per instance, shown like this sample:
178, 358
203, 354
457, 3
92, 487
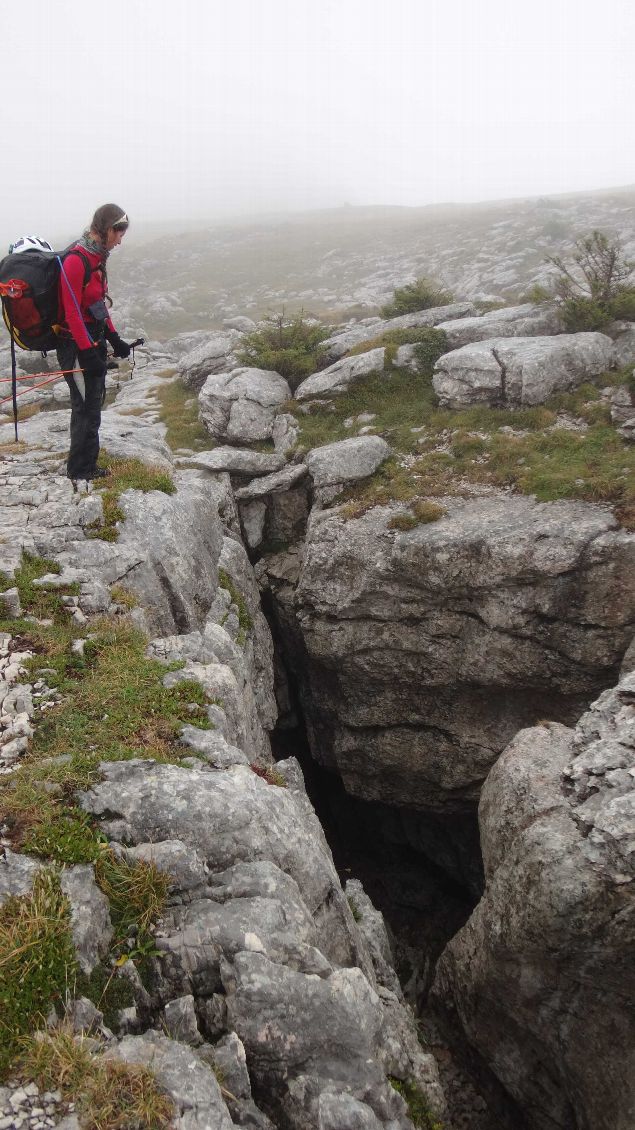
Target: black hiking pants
87, 389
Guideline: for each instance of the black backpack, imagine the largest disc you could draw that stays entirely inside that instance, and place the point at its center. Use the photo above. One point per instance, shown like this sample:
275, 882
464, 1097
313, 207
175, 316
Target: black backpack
29, 290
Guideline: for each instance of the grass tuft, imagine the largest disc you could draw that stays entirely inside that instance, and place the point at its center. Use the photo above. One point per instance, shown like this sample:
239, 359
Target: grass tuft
37, 961
419, 1110
126, 474
108, 1094
179, 412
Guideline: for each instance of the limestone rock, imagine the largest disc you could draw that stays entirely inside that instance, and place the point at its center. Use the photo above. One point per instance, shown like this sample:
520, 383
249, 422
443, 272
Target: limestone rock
189, 1082
340, 376
241, 406
278, 483
214, 355
167, 553
237, 461
346, 460
623, 334
510, 321
520, 371
419, 655
285, 433
541, 977
339, 344
90, 915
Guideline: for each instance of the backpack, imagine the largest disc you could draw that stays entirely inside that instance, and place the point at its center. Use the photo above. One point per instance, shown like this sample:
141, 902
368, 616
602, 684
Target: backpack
29, 290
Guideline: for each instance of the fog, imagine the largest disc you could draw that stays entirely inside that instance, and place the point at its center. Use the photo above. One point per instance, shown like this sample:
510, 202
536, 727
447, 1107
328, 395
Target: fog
206, 110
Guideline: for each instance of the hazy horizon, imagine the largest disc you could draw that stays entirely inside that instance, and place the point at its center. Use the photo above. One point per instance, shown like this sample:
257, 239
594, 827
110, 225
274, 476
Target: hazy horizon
212, 114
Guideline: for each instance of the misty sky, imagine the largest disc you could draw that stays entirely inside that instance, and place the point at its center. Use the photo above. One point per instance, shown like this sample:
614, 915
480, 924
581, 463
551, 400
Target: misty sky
202, 108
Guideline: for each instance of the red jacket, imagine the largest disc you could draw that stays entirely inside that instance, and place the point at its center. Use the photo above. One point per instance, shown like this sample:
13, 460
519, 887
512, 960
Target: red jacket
74, 294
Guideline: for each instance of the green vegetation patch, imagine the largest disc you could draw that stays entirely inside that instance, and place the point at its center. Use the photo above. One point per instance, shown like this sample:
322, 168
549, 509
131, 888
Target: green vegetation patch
35, 599
125, 474
245, 620
594, 285
108, 1094
37, 961
441, 452
419, 1110
421, 513
399, 400
108, 990
430, 342
179, 412
290, 346
136, 892
422, 294
115, 707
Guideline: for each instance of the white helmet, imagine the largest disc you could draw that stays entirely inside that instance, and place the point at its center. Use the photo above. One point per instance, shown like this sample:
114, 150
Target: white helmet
29, 243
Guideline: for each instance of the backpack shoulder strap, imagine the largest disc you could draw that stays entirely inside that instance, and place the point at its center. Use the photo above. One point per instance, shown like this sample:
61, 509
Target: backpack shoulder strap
88, 266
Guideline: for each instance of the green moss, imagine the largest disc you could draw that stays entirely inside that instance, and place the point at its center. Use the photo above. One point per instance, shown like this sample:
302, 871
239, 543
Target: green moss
108, 990
419, 1110
37, 961
245, 620
353, 908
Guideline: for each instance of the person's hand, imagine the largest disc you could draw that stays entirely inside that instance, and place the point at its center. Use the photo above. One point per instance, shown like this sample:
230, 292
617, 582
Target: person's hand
90, 361
120, 348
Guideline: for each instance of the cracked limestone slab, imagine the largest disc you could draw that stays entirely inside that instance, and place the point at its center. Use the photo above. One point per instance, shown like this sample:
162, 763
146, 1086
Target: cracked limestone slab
520, 371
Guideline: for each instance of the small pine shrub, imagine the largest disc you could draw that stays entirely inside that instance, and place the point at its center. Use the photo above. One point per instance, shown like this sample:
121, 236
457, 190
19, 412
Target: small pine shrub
290, 346
419, 295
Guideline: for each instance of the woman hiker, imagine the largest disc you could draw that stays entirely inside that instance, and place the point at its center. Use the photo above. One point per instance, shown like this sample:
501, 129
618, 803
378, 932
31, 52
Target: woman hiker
86, 327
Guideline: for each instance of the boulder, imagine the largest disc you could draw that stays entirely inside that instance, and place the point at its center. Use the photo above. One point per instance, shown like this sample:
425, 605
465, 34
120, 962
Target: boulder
339, 344
183, 1075
522, 371
511, 321
347, 460
241, 406
541, 978
338, 377
278, 483
236, 461
214, 355
623, 334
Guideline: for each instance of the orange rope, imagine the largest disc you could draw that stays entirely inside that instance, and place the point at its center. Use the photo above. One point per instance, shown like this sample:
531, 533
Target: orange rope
30, 376
41, 385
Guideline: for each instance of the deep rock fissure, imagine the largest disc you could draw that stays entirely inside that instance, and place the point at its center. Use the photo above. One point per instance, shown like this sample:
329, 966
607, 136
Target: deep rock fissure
423, 902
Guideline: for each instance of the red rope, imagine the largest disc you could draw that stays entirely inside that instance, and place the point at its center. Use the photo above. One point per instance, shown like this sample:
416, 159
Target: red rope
41, 385
30, 376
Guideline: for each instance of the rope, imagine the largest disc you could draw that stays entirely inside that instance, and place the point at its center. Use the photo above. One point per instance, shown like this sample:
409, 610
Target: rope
46, 373
23, 392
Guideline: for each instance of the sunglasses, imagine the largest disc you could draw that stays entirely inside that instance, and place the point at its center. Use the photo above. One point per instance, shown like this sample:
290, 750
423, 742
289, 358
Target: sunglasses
122, 223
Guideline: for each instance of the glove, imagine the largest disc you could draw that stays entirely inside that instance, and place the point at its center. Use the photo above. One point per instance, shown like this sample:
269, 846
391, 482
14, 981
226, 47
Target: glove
91, 361
120, 348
